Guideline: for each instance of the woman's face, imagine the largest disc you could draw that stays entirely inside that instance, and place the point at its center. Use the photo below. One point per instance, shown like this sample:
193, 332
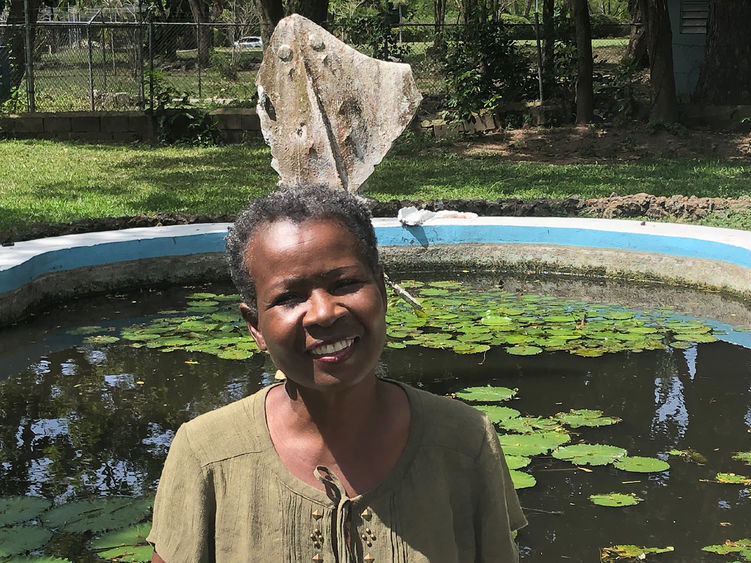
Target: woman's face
321, 311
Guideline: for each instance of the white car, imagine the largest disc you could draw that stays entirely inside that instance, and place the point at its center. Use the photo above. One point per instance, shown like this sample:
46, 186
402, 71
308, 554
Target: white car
249, 42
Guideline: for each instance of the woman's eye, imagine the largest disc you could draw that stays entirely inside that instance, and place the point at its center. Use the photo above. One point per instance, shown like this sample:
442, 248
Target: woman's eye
345, 285
286, 300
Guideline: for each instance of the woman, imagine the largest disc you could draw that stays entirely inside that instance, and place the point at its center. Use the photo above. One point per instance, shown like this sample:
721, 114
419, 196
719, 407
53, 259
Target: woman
335, 464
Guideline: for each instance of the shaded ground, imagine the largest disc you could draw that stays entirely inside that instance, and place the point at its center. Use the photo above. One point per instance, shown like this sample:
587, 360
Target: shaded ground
560, 145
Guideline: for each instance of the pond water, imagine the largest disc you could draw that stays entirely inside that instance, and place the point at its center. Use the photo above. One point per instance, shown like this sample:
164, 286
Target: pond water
82, 416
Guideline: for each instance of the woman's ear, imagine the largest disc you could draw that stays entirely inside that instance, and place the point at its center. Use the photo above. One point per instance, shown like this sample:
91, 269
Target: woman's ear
251, 321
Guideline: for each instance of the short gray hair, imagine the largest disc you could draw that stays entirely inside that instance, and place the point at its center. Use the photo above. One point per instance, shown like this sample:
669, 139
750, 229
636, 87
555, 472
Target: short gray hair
297, 204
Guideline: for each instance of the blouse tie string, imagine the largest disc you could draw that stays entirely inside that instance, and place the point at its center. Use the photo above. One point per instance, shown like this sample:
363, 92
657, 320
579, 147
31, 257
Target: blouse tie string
341, 524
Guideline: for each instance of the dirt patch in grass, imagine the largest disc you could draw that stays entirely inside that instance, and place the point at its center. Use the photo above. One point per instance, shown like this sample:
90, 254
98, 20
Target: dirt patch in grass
567, 145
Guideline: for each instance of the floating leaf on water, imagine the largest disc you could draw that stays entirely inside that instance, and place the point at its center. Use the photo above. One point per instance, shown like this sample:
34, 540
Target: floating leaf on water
20, 509
741, 547
40, 559
695, 337
128, 544
576, 418
434, 291
745, 457
497, 413
639, 464
227, 317
536, 443
588, 352
679, 345
517, 461
589, 454
689, 455
617, 315
97, 515
445, 284
523, 350
496, 320
526, 424
487, 393
467, 348
732, 479
631, 552
202, 295
101, 339
396, 345
22, 539
522, 480
235, 354
85, 330
615, 499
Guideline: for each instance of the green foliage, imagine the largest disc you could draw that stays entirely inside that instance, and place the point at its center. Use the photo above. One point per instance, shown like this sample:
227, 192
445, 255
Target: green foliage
745, 457
589, 454
576, 418
484, 70
487, 393
615, 93
22, 539
732, 479
128, 544
97, 514
20, 509
741, 548
534, 443
522, 480
615, 499
640, 464
374, 30
630, 552
177, 121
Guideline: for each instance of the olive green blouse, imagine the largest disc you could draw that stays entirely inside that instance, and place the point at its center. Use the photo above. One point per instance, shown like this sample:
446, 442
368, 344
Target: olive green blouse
225, 495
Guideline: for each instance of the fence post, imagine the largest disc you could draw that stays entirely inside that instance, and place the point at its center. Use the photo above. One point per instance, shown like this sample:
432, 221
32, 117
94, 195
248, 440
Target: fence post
29, 59
198, 56
151, 66
91, 66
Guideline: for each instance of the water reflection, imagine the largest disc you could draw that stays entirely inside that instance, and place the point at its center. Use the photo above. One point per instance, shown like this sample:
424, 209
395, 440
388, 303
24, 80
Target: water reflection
98, 419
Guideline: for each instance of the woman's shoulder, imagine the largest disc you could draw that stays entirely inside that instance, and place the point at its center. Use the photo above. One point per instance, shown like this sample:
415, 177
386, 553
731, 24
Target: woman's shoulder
228, 431
448, 423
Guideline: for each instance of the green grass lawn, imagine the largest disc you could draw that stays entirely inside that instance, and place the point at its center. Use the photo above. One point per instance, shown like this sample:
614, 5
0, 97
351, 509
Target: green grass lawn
57, 182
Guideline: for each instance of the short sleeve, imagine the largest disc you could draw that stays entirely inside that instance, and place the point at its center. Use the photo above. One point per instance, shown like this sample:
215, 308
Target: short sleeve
498, 511
182, 528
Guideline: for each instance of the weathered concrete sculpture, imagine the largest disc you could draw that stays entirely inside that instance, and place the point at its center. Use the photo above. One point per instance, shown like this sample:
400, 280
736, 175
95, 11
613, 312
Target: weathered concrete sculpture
328, 112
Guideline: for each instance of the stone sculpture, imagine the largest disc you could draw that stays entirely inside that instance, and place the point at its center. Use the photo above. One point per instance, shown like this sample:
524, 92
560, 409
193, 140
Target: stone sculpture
328, 112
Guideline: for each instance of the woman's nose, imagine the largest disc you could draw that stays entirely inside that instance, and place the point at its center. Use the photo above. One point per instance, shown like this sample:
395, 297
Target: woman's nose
324, 309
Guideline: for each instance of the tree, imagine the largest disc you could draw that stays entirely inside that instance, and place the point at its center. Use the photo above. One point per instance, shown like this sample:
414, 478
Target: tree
15, 36
637, 41
548, 47
584, 63
725, 76
660, 49
271, 11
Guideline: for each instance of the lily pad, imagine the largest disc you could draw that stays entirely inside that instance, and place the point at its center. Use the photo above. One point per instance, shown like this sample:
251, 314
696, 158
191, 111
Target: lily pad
631, 552
517, 461
101, 339
498, 413
589, 454
576, 418
689, 455
742, 547
745, 457
536, 443
732, 479
522, 480
20, 509
128, 544
487, 393
640, 464
97, 515
615, 499
523, 350
526, 424
22, 539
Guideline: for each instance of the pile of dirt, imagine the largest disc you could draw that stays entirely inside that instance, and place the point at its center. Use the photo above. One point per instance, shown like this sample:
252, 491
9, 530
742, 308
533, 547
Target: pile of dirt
637, 205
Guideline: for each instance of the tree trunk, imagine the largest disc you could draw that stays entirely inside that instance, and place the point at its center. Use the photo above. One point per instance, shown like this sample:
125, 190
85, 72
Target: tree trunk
725, 76
271, 11
548, 48
439, 14
204, 38
660, 49
584, 63
637, 41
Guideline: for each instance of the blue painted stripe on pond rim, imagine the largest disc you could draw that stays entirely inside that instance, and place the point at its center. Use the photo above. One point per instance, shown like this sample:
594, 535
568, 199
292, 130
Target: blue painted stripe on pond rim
108, 253
453, 234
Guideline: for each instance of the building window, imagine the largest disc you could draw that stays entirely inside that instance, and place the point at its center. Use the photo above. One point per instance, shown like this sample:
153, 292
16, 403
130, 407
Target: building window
694, 16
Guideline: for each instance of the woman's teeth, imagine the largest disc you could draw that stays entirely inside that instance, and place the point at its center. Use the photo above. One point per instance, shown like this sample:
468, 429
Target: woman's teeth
332, 348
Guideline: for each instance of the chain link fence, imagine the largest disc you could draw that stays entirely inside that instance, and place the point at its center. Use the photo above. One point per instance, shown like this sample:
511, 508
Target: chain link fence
101, 65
